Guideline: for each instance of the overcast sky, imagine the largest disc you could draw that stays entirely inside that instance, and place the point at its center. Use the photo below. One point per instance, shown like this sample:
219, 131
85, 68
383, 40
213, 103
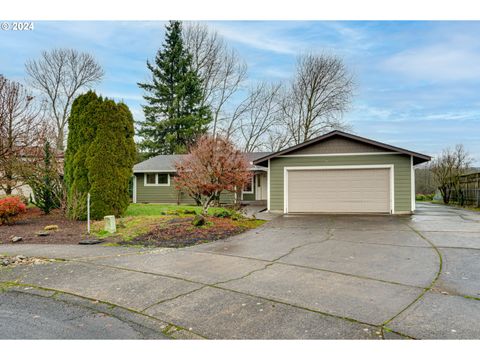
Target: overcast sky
417, 83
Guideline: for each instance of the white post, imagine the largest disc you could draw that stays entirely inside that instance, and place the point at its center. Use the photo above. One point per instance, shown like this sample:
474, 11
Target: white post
88, 213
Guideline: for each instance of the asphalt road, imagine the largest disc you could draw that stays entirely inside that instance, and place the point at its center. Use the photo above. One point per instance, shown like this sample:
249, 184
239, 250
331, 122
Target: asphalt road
30, 316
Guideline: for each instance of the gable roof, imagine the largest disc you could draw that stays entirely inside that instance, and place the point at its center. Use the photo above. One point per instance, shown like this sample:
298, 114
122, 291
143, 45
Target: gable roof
166, 163
417, 157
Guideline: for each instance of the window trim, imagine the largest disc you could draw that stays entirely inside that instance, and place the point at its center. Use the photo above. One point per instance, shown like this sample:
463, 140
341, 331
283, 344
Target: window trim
156, 180
252, 191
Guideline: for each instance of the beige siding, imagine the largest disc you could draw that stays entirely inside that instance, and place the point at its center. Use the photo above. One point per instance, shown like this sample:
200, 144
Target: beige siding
339, 191
337, 145
401, 163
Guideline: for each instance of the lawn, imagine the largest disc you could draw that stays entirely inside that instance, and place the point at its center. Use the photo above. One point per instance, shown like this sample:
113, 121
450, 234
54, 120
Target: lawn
168, 225
159, 209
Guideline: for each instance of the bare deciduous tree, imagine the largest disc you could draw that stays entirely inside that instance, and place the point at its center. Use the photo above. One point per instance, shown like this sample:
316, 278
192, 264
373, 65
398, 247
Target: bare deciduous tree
447, 168
21, 132
259, 115
277, 139
317, 97
60, 74
220, 68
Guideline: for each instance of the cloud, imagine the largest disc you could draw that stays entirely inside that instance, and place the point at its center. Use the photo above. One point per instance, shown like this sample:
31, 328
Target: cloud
260, 36
438, 62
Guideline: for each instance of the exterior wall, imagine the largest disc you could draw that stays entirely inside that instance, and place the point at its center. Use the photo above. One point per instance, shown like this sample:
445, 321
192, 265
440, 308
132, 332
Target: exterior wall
23, 190
168, 194
227, 197
337, 145
250, 197
402, 174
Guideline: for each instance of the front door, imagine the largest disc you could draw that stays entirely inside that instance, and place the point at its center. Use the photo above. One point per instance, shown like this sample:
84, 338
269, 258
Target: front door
261, 186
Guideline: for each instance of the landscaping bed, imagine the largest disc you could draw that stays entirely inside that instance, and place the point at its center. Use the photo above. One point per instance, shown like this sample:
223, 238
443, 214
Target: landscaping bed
179, 232
33, 221
155, 225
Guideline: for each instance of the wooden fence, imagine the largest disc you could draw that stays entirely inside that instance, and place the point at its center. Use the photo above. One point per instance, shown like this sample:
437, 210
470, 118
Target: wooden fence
470, 190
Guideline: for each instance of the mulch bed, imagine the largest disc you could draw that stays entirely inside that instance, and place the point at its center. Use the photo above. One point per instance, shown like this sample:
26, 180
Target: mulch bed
180, 232
28, 224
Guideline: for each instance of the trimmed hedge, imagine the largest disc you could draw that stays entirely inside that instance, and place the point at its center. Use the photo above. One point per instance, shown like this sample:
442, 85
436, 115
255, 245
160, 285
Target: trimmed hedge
100, 157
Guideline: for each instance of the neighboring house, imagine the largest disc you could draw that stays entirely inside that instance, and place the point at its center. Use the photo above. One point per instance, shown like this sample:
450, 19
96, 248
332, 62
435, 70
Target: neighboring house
34, 154
334, 173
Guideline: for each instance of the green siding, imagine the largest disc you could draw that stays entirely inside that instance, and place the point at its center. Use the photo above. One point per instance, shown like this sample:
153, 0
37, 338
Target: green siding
168, 194
251, 197
227, 197
402, 173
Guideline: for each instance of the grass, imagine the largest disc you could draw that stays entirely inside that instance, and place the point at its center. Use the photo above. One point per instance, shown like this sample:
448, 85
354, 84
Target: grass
471, 208
140, 219
158, 209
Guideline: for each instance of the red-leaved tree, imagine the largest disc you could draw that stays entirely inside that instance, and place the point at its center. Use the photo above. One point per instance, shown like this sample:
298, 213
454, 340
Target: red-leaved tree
212, 166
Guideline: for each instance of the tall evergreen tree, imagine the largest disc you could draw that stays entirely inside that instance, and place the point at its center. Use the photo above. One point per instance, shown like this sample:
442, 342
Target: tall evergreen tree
174, 114
100, 156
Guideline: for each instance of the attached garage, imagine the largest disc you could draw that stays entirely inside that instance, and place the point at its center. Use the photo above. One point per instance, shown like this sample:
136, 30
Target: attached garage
342, 173
339, 190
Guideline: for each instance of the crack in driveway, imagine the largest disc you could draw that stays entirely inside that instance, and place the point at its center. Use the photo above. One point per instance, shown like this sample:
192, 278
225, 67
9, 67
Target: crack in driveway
428, 288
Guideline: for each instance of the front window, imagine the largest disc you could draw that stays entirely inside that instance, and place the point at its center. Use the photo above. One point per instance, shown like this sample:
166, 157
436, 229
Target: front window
163, 179
248, 187
157, 179
150, 179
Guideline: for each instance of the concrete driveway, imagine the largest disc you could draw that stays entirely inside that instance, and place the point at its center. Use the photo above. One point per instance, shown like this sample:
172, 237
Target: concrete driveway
311, 277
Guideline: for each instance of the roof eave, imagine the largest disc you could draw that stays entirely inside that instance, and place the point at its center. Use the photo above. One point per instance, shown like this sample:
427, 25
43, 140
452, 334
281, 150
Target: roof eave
418, 158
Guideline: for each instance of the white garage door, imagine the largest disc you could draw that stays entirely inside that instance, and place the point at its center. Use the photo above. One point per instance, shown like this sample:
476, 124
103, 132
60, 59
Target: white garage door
339, 191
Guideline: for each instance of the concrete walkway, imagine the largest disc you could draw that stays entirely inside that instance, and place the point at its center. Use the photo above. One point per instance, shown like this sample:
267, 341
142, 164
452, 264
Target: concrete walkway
311, 277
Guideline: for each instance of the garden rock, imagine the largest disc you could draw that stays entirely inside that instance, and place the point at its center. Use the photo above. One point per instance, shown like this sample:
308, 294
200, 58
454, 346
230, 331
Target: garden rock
16, 239
51, 227
90, 242
198, 220
42, 233
110, 225
5, 262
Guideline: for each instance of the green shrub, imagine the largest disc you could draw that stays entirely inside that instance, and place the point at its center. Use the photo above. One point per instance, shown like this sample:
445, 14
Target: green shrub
227, 214
46, 184
424, 197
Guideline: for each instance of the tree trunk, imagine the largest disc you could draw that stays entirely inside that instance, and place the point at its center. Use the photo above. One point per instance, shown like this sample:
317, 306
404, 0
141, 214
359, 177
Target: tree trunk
9, 188
60, 139
206, 204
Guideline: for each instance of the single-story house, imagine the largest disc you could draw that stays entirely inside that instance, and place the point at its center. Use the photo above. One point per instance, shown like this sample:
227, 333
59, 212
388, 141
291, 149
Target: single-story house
334, 173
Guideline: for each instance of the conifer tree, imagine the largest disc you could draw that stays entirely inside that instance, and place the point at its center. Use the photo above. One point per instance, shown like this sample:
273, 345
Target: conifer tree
174, 115
46, 184
100, 156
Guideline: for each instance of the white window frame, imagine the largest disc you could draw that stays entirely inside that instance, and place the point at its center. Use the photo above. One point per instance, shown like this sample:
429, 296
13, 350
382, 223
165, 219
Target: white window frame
156, 180
252, 181
391, 167
412, 179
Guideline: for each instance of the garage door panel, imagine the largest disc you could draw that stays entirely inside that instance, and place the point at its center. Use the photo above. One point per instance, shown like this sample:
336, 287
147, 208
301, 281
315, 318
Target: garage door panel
339, 190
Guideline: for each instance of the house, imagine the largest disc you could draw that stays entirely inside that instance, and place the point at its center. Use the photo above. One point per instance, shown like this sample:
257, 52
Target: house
334, 173
153, 182
33, 155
